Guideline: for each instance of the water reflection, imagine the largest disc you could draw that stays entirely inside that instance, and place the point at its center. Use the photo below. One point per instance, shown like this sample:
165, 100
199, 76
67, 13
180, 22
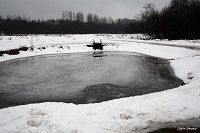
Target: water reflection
82, 77
98, 54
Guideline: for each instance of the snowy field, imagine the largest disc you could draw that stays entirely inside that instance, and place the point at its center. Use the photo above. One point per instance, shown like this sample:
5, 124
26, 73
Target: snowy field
125, 115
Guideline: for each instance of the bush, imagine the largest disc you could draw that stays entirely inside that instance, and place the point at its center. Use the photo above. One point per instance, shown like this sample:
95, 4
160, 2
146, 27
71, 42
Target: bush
12, 52
23, 48
2, 52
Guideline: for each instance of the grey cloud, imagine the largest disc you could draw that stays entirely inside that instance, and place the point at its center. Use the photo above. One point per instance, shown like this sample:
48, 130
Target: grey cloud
53, 8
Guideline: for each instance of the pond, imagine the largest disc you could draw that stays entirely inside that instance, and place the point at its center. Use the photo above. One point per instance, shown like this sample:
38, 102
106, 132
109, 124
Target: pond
82, 77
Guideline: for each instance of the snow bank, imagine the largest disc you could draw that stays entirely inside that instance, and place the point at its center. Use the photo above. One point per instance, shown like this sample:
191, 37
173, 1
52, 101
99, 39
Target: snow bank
52, 44
120, 115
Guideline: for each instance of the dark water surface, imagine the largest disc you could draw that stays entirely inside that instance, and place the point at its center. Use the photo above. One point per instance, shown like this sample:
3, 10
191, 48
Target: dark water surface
82, 77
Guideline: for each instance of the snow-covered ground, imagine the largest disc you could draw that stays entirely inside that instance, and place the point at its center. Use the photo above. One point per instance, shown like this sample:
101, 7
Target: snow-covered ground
120, 115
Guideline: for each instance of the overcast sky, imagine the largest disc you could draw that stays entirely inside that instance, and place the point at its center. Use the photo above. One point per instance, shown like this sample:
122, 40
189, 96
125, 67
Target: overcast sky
35, 9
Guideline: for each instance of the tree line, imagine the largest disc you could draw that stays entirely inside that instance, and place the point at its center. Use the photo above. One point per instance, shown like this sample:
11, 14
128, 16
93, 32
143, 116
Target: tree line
179, 20
90, 18
69, 23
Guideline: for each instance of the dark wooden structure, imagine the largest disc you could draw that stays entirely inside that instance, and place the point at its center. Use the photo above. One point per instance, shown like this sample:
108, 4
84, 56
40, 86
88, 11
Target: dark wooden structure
96, 45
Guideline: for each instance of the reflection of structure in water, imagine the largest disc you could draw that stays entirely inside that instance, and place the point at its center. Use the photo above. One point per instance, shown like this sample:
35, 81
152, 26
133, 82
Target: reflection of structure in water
96, 45
98, 54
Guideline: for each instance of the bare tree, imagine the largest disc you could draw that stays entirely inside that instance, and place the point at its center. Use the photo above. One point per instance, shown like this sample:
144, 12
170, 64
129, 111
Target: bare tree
74, 16
104, 20
63, 15
66, 15
89, 18
96, 19
110, 20
79, 17
70, 16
